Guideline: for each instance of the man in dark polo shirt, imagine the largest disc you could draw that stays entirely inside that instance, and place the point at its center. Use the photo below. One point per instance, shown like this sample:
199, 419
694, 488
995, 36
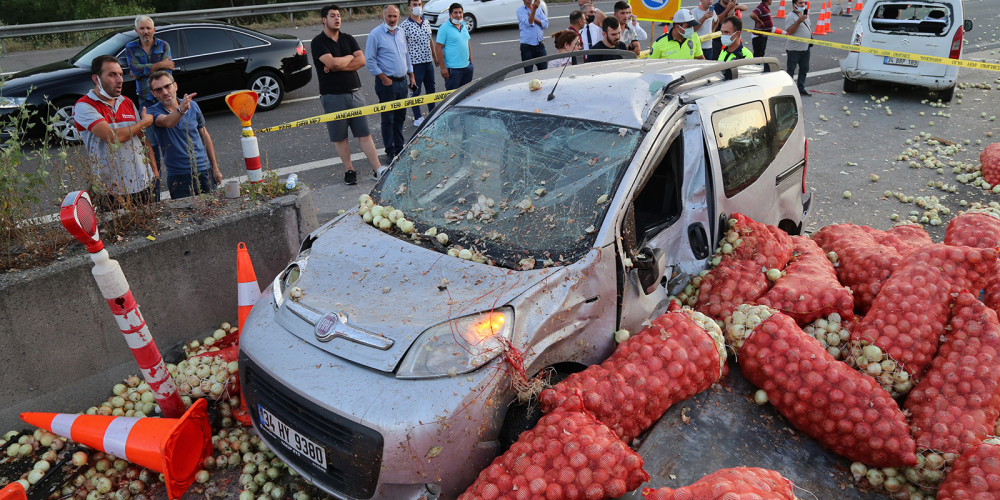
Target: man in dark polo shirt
337, 58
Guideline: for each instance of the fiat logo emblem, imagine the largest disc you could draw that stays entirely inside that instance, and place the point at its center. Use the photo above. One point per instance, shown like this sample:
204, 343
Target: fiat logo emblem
326, 327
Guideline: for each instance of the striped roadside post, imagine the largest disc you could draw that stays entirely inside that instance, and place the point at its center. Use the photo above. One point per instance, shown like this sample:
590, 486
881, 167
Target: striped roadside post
243, 104
78, 217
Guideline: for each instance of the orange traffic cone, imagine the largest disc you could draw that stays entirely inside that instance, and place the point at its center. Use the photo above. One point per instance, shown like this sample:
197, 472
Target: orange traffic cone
826, 19
242, 414
858, 6
820, 23
13, 491
174, 447
781, 10
778, 31
248, 291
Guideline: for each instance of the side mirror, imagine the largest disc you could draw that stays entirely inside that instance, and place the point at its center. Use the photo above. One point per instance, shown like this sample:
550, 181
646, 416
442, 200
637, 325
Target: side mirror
651, 265
967, 25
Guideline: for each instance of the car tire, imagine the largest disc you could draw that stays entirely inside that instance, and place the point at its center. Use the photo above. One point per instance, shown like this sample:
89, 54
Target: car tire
850, 86
947, 94
470, 22
269, 88
63, 125
523, 417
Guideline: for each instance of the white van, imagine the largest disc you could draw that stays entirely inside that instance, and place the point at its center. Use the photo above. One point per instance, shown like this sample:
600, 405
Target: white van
932, 27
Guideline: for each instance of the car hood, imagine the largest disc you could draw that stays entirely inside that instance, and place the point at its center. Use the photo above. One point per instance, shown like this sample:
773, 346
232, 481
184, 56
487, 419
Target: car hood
436, 6
393, 289
39, 77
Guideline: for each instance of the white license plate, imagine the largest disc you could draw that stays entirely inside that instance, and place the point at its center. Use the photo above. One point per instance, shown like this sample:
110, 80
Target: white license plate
900, 62
296, 442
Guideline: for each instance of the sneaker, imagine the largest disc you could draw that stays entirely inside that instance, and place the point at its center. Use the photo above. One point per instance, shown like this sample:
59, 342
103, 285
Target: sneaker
381, 172
804, 93
418, 122
350, 177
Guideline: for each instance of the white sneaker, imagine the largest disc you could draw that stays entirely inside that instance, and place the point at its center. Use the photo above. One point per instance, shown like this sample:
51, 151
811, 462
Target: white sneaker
418, 122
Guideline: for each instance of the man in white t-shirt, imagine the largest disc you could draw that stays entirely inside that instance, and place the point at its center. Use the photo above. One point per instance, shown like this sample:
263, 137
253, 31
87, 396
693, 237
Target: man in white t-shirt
705, 14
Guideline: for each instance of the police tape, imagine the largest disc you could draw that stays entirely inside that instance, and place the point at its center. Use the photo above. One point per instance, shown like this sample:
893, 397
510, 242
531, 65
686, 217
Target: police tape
887, 53
363, 111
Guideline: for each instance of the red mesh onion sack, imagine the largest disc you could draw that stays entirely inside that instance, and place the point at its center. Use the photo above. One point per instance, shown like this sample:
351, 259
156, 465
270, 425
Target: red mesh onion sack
976, 475
752, 241
568, 455
992, 289
973, 229
903, 239
956, 404
730, 284
862, 264
990, 161
809, 290
677, 356
906, 321
839, 407
741, 483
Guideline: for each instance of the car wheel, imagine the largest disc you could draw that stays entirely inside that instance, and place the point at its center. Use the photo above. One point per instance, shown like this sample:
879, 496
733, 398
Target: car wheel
269, 88
523, 417
470, 22
63, 124
850, 86
947, 94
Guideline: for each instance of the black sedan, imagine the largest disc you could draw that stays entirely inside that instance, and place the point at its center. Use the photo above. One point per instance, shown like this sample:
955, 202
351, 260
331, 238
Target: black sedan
210, 58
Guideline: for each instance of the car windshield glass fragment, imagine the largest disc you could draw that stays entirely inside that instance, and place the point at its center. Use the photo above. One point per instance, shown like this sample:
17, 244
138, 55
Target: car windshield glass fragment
929, 18
512, 186
109, 45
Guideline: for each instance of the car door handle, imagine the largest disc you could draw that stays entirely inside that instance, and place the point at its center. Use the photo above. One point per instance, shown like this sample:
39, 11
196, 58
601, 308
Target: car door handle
239, 59
699, 241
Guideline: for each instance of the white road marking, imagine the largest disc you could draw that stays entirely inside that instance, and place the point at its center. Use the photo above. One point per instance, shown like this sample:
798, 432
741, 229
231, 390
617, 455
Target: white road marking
822, 72
501, 41
300, 99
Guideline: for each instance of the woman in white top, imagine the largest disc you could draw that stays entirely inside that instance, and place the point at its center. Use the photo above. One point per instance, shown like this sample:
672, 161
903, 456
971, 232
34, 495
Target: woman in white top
566, 41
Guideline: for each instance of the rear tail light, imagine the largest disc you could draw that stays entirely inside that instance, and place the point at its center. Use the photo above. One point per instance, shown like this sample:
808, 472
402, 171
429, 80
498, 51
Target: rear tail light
805, 166
857, 39
300, 50
956, 44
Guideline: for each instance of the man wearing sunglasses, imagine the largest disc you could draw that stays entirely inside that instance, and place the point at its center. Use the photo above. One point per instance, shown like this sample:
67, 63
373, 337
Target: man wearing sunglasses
187, 147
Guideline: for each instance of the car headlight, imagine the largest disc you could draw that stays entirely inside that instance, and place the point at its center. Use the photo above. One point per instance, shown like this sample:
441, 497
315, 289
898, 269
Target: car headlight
287, 278
459, 346
12, 102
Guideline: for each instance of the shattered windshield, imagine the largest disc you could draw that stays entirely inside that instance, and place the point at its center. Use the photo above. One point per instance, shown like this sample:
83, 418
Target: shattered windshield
517, 187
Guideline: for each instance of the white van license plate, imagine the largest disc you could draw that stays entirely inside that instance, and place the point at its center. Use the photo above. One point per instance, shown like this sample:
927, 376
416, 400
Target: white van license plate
296, 442
900, 62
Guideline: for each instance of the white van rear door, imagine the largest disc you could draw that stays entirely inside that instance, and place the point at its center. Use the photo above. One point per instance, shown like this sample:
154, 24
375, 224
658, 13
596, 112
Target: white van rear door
925, 28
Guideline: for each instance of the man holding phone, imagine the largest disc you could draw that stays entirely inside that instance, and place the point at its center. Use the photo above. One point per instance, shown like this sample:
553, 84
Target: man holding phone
631, 32
530, 22
388, 60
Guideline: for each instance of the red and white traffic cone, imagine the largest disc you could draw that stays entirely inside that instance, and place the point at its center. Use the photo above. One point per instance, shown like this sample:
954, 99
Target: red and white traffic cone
858, 6
174, 447
243, 104
781, 11
13, 491
77, 216
247, 289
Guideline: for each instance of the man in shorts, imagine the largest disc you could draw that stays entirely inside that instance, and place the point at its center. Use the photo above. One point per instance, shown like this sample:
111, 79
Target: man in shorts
337, 57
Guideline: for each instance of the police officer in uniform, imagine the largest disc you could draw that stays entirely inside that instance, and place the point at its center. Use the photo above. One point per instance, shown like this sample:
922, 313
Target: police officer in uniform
681, 42
732, 43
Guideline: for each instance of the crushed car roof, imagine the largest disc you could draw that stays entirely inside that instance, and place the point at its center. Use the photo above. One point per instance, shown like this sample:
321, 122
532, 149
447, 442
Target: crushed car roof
618, 92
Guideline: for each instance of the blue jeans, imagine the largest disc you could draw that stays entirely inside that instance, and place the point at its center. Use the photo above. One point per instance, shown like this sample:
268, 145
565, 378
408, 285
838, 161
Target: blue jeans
392, 121
458, 77
799, 58
184, 185
531, 52
423, 73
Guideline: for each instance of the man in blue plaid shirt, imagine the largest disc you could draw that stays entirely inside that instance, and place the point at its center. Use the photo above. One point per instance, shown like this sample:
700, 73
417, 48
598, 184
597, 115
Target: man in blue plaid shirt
144, 56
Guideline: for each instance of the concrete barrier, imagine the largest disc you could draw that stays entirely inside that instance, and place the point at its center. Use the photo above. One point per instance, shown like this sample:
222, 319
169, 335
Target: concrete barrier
60, 348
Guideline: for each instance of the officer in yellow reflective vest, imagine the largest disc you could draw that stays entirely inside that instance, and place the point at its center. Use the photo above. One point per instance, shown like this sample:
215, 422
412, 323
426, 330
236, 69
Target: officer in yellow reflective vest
681, 42
732, 43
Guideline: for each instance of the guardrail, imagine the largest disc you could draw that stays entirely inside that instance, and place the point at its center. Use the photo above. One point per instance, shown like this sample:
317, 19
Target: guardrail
193, 15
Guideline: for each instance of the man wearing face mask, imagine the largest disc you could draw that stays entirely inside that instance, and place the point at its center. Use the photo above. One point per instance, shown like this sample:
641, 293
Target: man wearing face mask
388, 60
798, 25
732, 43
111, 129
592, 33
681, 42
598, 14
454, 46
420, 42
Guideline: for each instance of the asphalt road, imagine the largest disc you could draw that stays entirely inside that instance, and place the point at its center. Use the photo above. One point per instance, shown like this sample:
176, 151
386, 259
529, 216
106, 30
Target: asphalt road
307, 150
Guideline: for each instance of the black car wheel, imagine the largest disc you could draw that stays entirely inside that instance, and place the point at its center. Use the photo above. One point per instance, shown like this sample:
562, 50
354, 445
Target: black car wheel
470, 22
269, 88
63, 124
850, 86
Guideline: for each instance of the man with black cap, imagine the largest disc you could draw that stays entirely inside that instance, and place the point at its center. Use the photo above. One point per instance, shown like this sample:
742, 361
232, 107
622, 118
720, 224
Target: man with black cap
681, 42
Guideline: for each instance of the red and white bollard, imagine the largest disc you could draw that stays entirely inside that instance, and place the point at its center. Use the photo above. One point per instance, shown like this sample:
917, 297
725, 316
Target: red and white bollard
243, 104
77, 216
